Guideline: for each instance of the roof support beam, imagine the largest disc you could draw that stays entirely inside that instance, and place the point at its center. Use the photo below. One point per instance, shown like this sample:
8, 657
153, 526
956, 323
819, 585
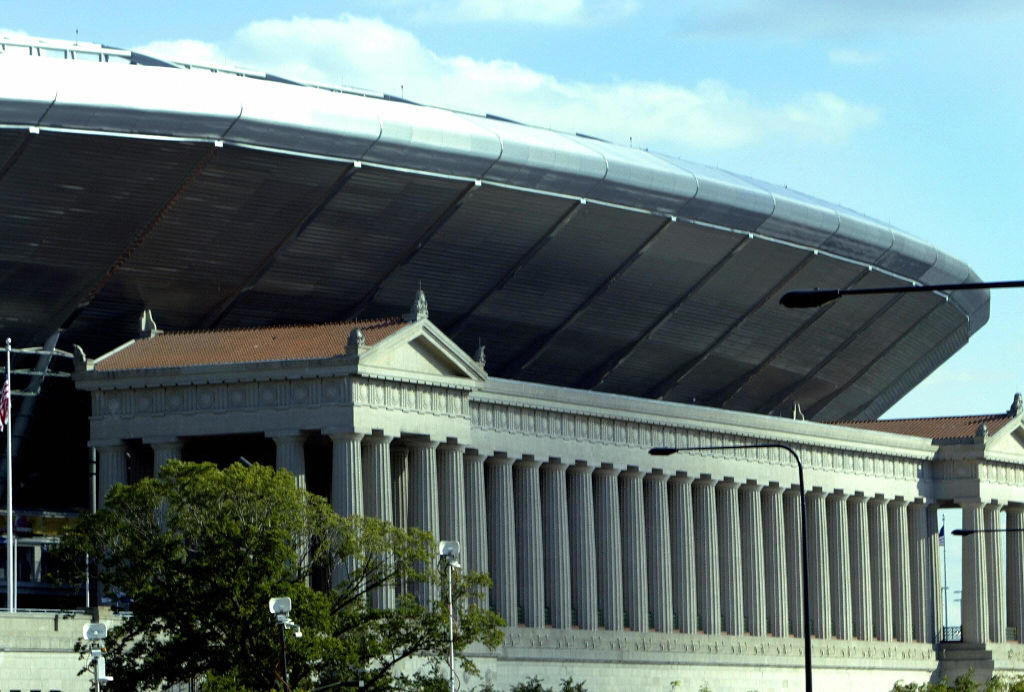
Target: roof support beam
461, 198
598, 375
217, 314
535, 350
454, 329
672, 381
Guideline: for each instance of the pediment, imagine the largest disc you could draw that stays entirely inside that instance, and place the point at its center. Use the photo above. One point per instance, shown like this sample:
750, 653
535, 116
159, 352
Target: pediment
420, 350
1008, 441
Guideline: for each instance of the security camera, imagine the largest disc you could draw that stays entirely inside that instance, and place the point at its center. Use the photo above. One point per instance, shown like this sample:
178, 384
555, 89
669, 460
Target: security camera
281, 605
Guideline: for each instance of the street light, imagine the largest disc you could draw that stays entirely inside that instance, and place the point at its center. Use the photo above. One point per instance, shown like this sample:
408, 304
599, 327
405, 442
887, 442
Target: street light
449, 552
666, 451
280, 608
817, 298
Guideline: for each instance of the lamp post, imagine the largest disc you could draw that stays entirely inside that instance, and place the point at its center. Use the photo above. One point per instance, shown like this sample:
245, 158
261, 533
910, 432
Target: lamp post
449, 552
666, 451
817, 298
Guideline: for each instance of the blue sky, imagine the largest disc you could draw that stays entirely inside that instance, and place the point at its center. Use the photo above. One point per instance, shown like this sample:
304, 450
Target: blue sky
910, 112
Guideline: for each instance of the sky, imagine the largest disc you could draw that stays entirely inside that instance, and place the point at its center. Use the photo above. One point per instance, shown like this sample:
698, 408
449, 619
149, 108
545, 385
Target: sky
906, 111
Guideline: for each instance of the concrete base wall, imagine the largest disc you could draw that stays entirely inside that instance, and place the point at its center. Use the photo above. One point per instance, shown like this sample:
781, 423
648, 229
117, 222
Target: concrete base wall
37, 652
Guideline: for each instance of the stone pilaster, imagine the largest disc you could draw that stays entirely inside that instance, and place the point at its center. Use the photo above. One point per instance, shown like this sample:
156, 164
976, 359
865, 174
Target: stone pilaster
1015, 569
860, 567
634, 548
974, 606
555, 515
775, 583
289, 455
608, 535
705, 532
501, 538
899, 555
995, 570
346, 473
582, 548
839, 565
681, 535
451, 483
475, 554
881, 567
920, 583
659, 568
529, 541
377, 477
752, 559
112, 469
817, 568
791, 503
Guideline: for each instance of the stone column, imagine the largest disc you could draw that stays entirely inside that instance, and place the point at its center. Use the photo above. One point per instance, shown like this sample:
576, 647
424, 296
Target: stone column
860, 567
169, 448
920, 584
935, 567
839, 565
555, 514
994, 560
817, 568
608, 535
659, 568
475, 554
112, 469
974, 606
705, 533
775, 583
501, 538
451, 483
423, 506
730, 556
1015, 569
400, 484
346, 473
529, 541
289, 454
752, 559
899, 555
794, 560
376, 453
582, 548
681, 535
881, 567
634, 548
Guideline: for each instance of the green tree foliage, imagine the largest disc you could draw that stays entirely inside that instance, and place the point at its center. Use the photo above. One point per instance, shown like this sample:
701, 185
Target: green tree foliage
965, 683
198, 552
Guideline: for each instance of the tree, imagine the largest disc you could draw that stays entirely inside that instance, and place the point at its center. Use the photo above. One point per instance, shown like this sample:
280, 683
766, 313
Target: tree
197, 553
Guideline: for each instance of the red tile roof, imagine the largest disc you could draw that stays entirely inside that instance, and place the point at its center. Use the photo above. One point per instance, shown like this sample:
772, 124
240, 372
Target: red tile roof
263, 344
937, 429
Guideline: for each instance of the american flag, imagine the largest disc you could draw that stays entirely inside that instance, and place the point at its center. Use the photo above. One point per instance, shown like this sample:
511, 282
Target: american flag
942, 536
5, 402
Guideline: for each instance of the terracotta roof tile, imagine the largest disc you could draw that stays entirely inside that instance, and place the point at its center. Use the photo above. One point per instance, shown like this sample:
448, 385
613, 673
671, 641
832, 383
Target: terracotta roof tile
949, 429
263, 344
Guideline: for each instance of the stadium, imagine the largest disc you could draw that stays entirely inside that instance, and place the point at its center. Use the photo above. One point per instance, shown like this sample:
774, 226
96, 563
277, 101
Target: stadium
587, 301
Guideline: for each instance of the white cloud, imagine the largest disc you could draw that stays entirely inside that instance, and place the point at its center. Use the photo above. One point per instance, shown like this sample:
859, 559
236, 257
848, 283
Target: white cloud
538, 11
671, 118
186, 50
854, 58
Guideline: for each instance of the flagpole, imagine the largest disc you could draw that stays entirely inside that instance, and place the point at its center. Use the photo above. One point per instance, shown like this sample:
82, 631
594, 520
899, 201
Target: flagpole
12, 594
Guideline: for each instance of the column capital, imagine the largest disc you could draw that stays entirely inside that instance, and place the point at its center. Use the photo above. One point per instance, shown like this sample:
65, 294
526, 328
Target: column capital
727, 484
773, 489
500, 460
606, 470
1016, 510
343, 435
838, 495
581, 467
898, 502
526, 462
472, 455
451, 445
680, 479
283, 434
162, 440
419, 443
553, 465
107, 444
656, 476
631, 472
379, 437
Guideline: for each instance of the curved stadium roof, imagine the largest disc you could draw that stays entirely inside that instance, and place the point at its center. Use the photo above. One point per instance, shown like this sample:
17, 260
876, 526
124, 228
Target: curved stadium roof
228, 198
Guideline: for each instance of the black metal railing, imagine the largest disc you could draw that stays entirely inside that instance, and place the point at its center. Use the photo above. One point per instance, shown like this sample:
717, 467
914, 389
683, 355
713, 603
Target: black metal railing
952, 634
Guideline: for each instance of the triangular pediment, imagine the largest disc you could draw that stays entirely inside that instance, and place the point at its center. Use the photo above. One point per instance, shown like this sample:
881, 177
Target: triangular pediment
420, 350
1008, 441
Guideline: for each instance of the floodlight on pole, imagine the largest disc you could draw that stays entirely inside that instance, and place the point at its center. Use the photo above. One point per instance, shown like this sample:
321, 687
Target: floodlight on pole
666, 451
95, 633
280, 608
449, 552
819, 297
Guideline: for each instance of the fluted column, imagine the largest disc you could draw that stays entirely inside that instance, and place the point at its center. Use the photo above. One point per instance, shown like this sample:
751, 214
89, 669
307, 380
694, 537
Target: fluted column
346, 473
377, 477
634, 548
899, 555
817, 569
994, 560
555, 512
112, 469
608, 535
774, 536
681, 535
451, 485
974, 606
920, 584
860, 567
659, 568
501, 538
529, 541
881, 567
935, 567
1015, 568
794, 560
839, 565
730, 556
705, 532
752, 559
400, 484
423, 506
166, 449
582, 548
475, 554
289, 454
